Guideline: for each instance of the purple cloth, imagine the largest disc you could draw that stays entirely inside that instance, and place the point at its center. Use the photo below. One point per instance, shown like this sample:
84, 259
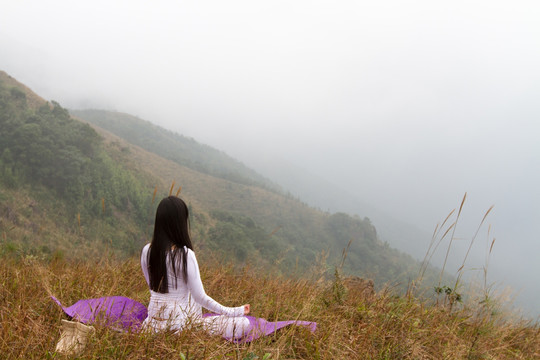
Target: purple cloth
123, 313
260, 327
115, 311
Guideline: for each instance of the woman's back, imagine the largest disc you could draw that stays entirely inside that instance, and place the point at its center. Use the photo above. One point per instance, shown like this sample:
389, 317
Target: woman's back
184, 300
177, 286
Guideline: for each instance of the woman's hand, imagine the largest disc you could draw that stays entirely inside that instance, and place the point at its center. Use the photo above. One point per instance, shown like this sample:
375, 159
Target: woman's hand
247, 309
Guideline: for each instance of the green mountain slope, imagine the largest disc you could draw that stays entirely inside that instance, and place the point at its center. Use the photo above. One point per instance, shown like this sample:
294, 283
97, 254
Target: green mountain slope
94, 190
62, 165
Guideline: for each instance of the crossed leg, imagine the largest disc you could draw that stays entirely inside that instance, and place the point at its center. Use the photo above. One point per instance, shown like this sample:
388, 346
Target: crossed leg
227, 326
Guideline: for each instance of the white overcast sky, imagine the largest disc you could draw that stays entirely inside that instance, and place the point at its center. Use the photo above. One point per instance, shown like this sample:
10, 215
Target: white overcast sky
406, 104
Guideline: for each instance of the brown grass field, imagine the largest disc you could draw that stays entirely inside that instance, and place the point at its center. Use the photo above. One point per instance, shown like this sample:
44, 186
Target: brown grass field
352, 323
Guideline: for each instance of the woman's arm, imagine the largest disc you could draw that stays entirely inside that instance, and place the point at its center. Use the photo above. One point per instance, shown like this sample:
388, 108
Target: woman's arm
144, 263
196, 288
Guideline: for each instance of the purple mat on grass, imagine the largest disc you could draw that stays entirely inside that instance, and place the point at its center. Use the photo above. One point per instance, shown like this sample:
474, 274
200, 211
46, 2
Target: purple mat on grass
115, 311
123, 313
260, 327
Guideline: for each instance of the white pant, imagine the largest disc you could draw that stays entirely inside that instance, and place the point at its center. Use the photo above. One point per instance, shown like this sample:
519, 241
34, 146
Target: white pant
226, 326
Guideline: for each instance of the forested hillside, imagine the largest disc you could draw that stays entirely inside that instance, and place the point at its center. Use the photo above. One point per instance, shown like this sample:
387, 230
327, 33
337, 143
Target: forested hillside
66, 175
67, 188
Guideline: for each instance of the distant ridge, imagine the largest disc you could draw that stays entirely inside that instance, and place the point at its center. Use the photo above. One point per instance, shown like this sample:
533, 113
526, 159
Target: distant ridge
307, 186
178, 148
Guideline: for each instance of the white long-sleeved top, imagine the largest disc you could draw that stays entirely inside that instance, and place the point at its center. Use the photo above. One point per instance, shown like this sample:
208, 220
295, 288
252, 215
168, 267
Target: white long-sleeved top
184, 301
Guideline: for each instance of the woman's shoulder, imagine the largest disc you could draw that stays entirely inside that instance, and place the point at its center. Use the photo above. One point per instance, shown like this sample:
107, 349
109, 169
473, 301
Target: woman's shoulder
190, 254
145, 249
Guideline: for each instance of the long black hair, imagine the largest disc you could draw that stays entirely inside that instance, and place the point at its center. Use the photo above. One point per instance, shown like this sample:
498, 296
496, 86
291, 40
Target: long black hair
171, 235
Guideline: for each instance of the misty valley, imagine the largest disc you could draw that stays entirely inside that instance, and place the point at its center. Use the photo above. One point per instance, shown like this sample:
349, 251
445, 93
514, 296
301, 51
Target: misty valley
78, 192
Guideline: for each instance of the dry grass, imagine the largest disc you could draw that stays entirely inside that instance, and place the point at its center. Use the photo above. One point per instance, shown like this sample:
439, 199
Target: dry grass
352, 323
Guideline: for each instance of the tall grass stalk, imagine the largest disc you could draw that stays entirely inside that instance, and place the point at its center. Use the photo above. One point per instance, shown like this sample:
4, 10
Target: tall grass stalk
431, 250
172, 188
451, 293
460, 270
452, 237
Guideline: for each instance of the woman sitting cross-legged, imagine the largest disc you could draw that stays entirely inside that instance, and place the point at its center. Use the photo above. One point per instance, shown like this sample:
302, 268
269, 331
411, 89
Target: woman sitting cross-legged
171, 270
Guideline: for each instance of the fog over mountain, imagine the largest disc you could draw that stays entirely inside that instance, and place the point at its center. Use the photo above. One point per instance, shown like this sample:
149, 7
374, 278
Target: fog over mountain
388, 107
